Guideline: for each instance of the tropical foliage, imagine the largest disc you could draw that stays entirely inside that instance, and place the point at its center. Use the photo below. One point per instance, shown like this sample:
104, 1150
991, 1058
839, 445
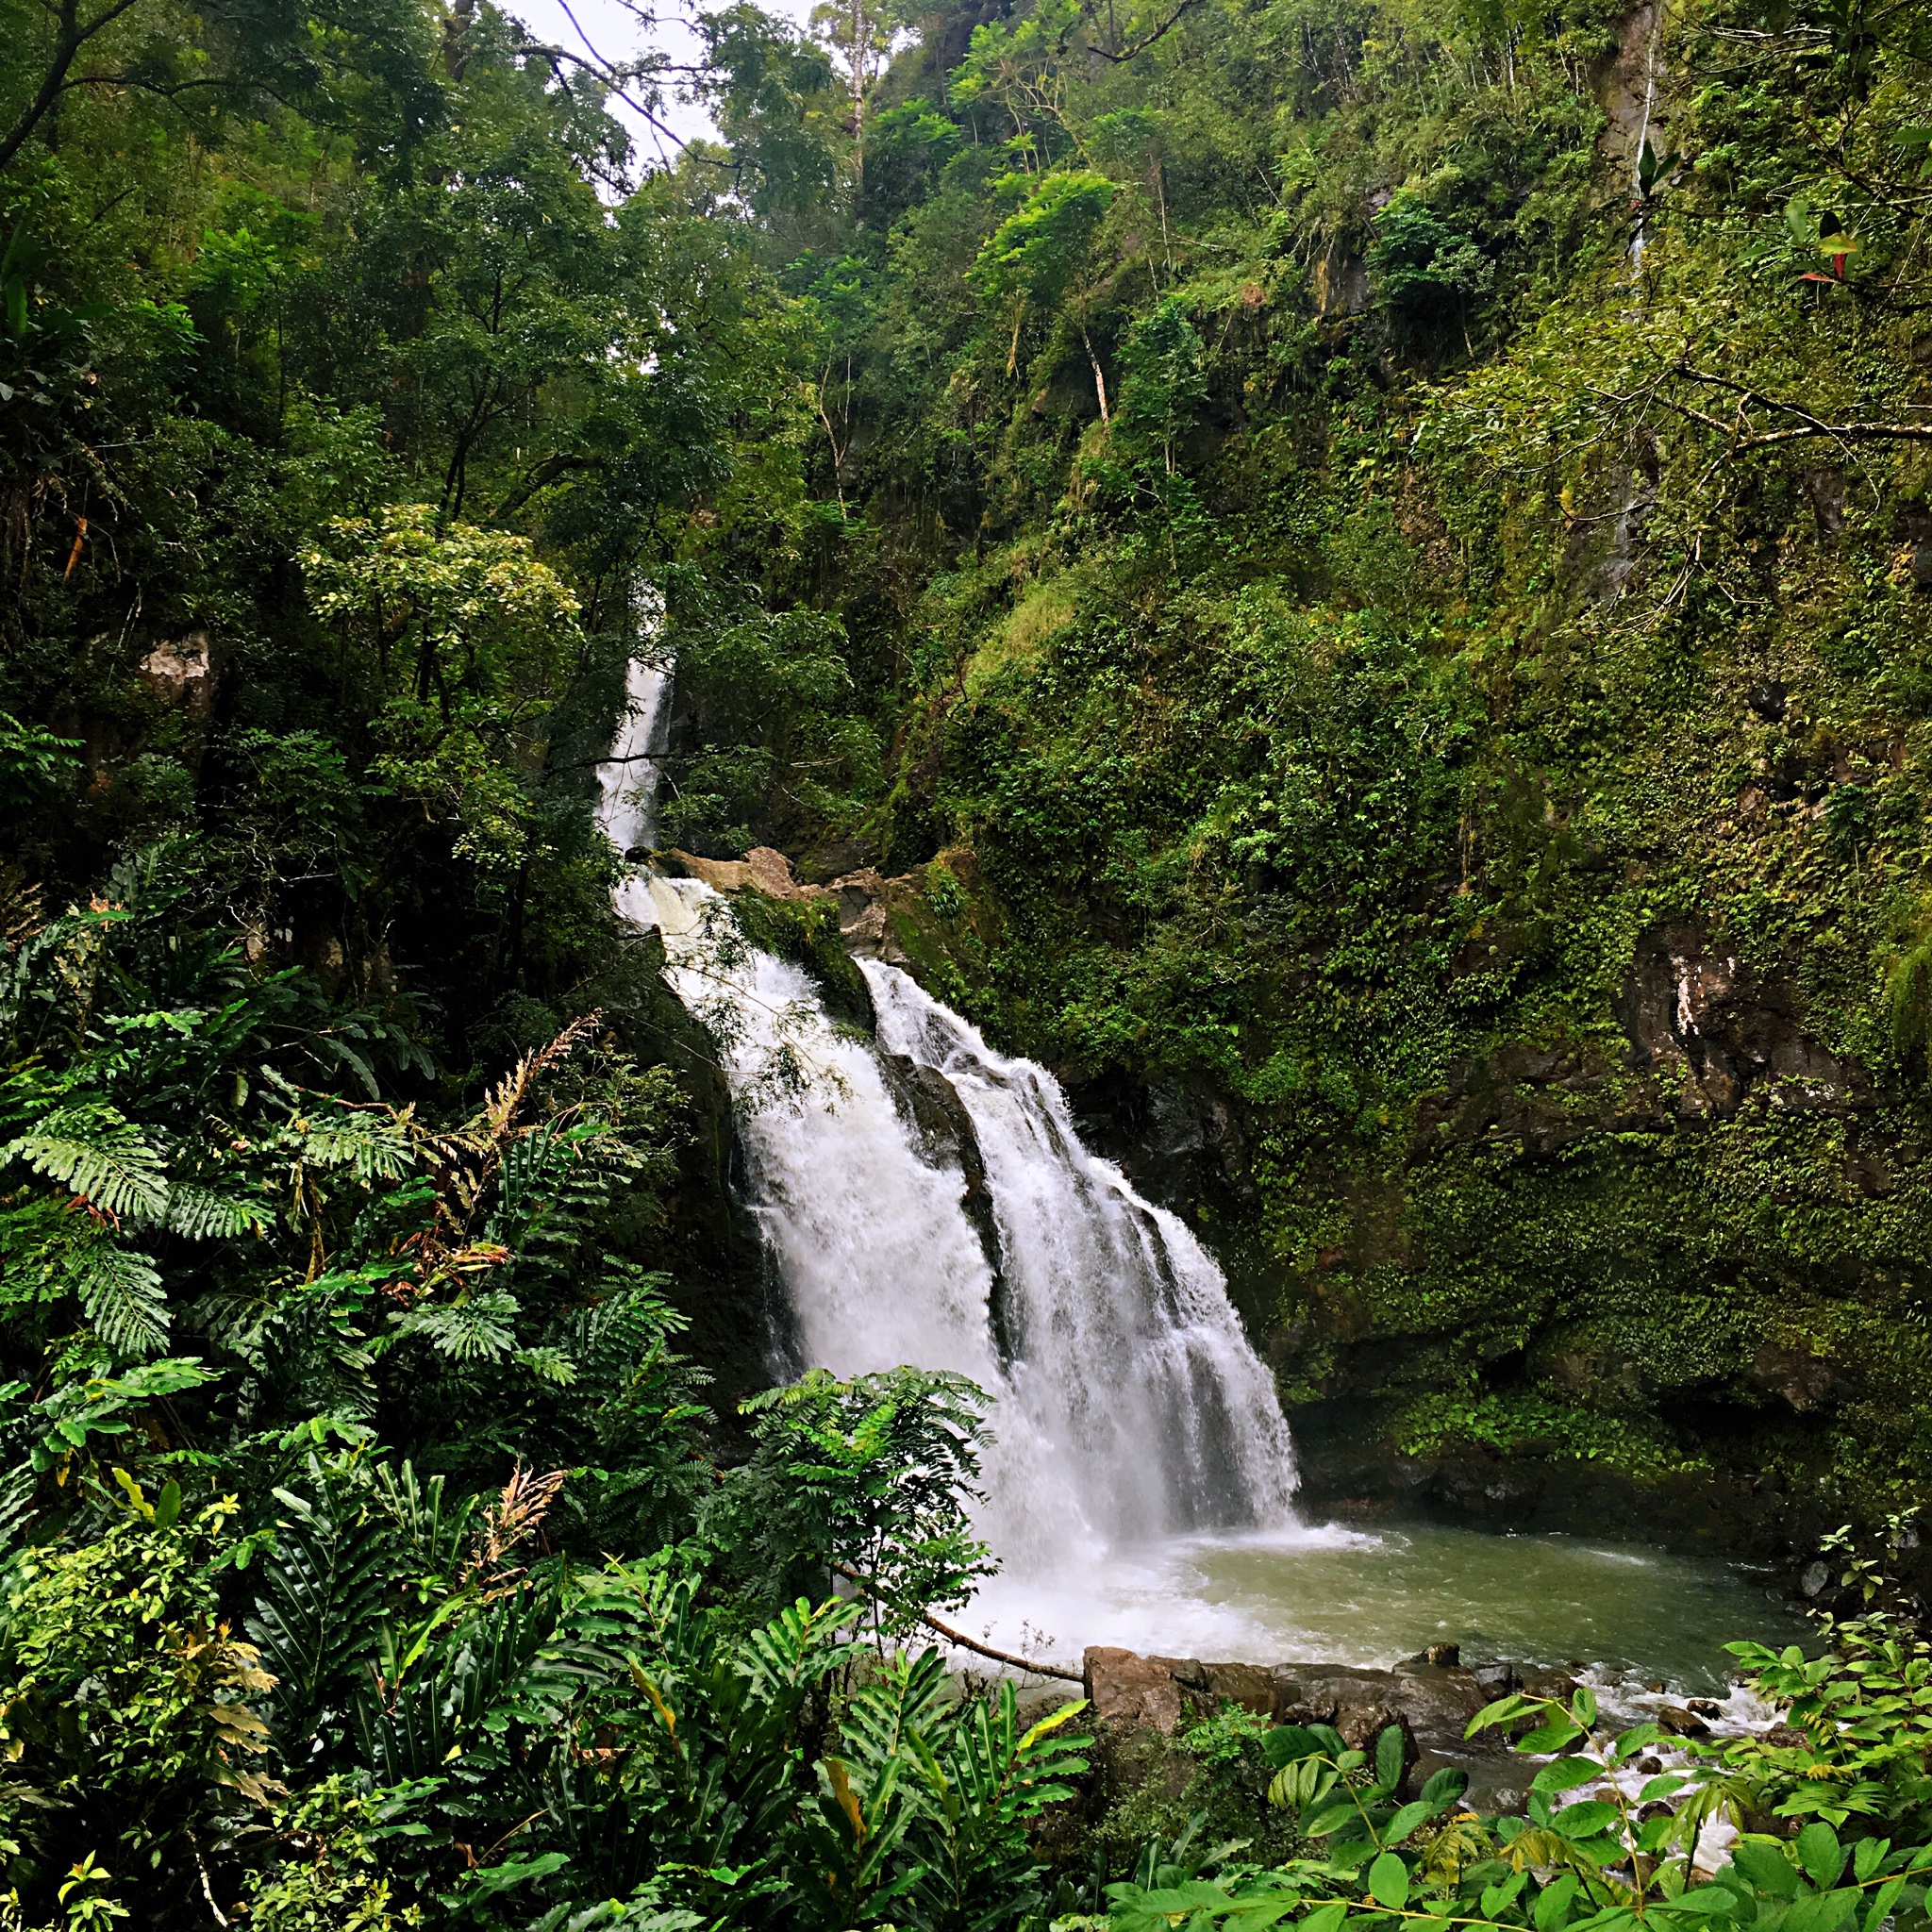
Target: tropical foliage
1368, 558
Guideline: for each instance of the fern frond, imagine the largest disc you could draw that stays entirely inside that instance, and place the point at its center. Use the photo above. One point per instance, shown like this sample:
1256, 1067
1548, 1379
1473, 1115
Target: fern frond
797, 1647
474, 1331
533, 1168
20, 910
203, 1215
376, 1146
97, 1152
548, 1365
120, 1295
506, 1102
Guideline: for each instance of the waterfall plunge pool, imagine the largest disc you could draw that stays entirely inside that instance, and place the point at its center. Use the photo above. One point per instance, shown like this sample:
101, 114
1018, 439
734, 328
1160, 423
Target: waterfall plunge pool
1626, 1613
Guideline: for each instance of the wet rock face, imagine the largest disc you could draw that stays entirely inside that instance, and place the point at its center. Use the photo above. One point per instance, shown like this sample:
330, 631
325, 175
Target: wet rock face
1702, 1035
1807, 1382
764, 869
864, 915
1341, 283
1690, 1008
943, 1129
1349, 1469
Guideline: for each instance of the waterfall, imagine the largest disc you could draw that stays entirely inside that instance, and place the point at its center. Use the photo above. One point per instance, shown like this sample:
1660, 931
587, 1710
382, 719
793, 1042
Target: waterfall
1124, 1348
628, 807
1127, 1405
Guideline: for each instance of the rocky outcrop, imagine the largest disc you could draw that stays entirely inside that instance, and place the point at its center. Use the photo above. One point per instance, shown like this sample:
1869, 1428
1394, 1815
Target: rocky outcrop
898, 919
1431, 1698
764, 869
181, 672
864, 899
1339, 283
945, 1134
1132, 1692
1696, 1015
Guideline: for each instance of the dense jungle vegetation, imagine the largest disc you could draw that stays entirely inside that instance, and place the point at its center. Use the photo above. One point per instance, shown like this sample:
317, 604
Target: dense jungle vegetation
1371, 558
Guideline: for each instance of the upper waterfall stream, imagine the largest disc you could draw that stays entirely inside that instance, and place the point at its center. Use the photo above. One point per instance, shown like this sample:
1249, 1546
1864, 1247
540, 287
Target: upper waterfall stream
1138, 1484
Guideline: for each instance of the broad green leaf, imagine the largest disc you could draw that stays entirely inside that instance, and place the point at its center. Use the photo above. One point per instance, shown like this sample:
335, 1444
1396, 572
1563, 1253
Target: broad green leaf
1883, 1903
1327, 1819
1566, 1775
1584, 1820
1821, 1853
1822, 1911
1766, 1868
1630, 1743
1553, 1903
1500, 1712
1284, 1744
1405, 1821
1549, 1738
1707, 1901
1868, 1855
1498, 1898
1389, 1881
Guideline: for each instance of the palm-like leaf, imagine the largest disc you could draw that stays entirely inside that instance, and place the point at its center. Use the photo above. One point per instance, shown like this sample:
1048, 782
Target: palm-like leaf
120, 1295
435, 1529
97, 1152
317, 1615
901, 1703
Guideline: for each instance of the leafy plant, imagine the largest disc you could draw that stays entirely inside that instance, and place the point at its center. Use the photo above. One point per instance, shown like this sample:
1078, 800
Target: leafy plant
867, 1480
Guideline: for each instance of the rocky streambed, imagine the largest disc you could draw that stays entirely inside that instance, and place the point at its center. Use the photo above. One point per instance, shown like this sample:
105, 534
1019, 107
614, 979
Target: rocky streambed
1431, 1697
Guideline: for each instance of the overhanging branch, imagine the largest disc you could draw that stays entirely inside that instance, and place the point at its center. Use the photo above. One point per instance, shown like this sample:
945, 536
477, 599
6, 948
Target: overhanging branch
72, 37
1147, 40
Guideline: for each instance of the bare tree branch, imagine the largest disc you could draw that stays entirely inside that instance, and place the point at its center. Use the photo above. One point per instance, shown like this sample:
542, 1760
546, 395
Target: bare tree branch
75, 34
1810, 425
1743, 438
1147, 40
610, 79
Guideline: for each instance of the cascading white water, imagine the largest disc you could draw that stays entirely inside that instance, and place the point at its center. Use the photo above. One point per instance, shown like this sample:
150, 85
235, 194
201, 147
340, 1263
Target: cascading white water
880, 1263
1126, 1354
1129, 1408
627, 782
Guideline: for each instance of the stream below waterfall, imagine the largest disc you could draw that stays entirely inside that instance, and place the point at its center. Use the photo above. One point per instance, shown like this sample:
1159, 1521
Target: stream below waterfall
927, 1200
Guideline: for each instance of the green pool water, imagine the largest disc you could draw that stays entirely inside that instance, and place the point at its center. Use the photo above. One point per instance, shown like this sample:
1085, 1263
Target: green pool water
1622, 1611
